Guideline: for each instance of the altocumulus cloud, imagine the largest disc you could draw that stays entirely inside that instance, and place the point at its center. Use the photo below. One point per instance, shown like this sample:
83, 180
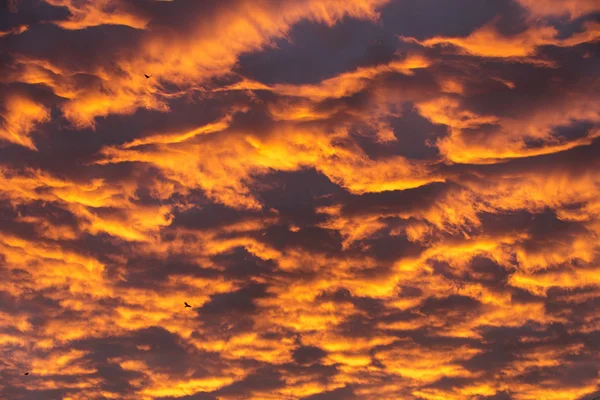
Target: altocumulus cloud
359, 199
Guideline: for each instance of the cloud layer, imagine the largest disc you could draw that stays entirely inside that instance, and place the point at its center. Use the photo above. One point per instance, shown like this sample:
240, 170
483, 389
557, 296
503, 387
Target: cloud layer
361, 199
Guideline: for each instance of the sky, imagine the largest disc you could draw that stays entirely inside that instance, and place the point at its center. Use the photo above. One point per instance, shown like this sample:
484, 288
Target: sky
359, 199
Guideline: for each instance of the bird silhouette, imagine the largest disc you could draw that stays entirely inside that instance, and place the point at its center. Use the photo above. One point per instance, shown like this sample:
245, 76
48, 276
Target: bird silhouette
186, 304
147, 76
26, 373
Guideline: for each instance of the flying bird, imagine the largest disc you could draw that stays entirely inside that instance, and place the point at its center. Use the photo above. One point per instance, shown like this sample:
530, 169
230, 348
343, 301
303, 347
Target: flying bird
147, 76
26, 373
224, 327
186, 304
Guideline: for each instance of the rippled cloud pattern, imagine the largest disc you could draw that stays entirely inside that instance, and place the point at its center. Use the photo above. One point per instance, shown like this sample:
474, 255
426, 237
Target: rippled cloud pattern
358, 199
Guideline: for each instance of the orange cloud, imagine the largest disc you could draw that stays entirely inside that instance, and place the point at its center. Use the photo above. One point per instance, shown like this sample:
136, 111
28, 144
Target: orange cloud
572, 8
188, 60
402, 223
487, 41
85, 14
20, 118
342, 85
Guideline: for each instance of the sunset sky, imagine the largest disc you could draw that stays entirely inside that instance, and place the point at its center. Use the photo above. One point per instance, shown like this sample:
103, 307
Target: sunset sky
360, 199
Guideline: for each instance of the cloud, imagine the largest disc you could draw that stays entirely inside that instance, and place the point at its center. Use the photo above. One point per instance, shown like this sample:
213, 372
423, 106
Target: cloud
122, 88
555, 8
20, 116
105, 12
359, 199
488, 42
